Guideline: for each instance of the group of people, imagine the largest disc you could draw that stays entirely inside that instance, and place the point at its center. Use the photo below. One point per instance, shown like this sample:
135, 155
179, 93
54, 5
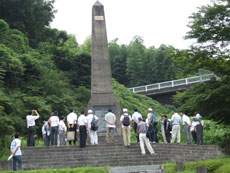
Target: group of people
195, 128
55, 132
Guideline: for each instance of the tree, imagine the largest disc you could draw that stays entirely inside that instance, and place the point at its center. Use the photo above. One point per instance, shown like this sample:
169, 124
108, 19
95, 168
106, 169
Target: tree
29, 16
135, 61
118, 56
210, 26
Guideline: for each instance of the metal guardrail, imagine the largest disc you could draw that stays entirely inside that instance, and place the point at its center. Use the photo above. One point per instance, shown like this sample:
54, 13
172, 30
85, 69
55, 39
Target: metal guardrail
173, 83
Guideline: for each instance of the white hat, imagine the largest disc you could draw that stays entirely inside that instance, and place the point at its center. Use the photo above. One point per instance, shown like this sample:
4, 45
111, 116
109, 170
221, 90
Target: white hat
90, 111
125, 110
150, 109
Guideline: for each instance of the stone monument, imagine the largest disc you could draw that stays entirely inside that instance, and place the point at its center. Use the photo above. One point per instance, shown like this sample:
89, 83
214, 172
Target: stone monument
102, 97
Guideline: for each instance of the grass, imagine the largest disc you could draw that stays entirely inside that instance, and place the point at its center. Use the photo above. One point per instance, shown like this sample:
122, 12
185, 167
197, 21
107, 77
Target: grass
68, 170
220, 165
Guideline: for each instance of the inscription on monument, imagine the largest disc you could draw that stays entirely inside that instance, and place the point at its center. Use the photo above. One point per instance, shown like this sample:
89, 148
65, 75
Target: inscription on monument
98, 17
100, 112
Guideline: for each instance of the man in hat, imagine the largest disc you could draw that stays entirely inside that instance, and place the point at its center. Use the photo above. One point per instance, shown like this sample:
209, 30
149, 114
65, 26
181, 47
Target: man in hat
125, 124
92, 132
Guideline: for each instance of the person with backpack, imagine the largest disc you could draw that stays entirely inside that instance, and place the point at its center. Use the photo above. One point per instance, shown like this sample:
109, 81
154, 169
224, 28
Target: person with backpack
152, 129
167, 127
125, 125
92, 127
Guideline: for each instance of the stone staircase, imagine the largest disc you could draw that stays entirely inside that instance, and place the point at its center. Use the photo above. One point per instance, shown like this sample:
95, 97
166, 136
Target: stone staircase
112, 155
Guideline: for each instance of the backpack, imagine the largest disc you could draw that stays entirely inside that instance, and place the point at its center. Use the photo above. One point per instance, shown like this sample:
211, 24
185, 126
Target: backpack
94, 125
170, 126
126, 120
154, 119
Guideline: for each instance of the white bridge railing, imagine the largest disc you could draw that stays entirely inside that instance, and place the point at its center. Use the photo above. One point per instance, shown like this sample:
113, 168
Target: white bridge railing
173, 83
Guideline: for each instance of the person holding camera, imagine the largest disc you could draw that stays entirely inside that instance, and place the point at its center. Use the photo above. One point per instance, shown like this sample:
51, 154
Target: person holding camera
30, 118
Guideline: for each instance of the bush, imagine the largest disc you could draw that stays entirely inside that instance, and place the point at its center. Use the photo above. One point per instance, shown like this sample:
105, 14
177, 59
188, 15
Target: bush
223, 169
214, 165
224, 143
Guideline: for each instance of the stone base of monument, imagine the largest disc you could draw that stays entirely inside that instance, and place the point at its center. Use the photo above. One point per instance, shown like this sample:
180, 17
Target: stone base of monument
102, 140
117, 139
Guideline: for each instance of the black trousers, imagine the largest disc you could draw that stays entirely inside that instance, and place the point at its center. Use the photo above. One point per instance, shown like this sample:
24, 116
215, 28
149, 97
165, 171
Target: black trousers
194, 136
54, 133
71, 129
83, 136
199, 133
135, 129
30, 135
167, 135
153, 133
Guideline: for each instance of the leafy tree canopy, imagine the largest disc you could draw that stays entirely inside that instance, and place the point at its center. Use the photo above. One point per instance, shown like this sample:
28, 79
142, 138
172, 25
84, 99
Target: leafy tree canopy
29, 16
210, 27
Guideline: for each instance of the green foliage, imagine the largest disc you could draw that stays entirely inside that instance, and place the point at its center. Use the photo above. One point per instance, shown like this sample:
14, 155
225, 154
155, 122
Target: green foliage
223, 169
135, 65
224, 142
214, 165
211, 99
210, 27
29, 16
130, 101
70, 170
6, 131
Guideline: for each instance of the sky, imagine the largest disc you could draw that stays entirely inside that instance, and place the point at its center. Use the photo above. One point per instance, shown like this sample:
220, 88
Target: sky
156, 21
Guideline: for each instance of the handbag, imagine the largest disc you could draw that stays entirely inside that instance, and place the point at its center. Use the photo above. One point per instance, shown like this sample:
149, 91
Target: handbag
70, 136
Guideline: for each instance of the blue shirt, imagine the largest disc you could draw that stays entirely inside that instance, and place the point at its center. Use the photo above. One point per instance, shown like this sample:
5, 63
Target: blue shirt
176, 119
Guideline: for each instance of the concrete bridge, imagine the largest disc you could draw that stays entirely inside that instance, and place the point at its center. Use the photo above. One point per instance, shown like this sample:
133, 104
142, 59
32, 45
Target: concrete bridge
163, 91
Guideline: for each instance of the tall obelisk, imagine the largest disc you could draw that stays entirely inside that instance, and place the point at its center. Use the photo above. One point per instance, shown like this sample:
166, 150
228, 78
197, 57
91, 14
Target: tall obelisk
102, 97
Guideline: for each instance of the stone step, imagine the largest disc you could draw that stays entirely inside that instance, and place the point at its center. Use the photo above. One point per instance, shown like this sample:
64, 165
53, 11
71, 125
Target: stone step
112, 155
56, 165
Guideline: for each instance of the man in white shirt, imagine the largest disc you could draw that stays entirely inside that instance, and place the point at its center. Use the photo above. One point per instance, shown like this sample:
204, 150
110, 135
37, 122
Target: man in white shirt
15, 149
54, 120
187, 124
62, 130
125, 125
110, 119
83, 128
72, 124
176, 120
31, 126
135, 117
92, 133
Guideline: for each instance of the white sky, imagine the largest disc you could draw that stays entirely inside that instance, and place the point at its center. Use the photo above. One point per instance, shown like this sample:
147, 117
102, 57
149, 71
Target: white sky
156, 21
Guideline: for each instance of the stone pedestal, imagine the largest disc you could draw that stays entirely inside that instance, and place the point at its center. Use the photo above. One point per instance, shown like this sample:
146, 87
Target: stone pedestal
102, 97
